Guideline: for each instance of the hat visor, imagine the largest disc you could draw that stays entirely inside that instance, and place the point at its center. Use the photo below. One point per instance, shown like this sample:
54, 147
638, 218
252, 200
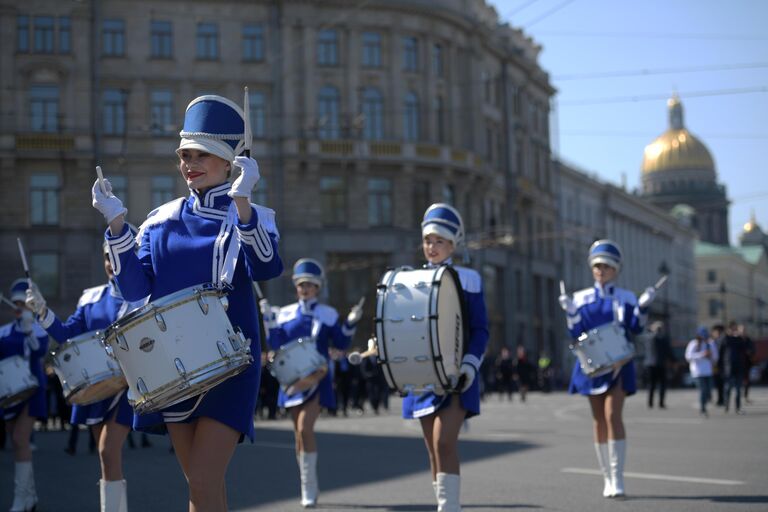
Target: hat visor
307, 279
604, 259
437, 229
215, 147
18, 296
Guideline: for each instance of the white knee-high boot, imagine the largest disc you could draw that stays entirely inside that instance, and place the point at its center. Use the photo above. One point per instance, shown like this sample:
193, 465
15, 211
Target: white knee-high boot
601, 449
448, 490
113, 495
618, 452
434, 488
309, 487
24, 492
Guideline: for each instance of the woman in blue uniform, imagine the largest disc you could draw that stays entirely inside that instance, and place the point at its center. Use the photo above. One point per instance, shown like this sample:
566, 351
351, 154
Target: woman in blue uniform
592, 307
23, 337
441, 416
110, 419
217, 236
308, 318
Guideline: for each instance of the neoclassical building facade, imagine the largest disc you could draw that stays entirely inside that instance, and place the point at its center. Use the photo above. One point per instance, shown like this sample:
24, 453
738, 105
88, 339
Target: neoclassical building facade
362, 114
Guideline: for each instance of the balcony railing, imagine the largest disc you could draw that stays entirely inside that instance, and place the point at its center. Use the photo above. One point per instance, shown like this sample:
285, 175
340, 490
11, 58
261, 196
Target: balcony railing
45, 142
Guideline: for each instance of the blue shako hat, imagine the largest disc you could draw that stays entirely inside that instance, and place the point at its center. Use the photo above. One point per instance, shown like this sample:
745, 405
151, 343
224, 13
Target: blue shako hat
213, 124
19, 290
308, 269
702, 332
605, 251
443, 220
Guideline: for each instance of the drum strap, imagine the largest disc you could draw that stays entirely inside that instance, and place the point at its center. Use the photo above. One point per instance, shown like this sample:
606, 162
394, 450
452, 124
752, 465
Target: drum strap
227, 266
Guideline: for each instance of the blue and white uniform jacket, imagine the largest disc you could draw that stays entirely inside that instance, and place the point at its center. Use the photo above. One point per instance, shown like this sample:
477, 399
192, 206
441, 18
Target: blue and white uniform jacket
14, 342
197, 240
416, 406
596, 306
310, 319
97, 309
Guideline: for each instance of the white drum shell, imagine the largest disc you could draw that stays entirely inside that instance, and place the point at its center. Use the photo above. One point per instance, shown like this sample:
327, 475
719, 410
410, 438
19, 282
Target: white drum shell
601, 349
171, 350
296, 360
84, 362
16, 381
420, 329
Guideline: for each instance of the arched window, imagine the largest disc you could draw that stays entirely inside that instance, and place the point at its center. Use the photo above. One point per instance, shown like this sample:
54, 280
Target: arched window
373, 113
411, 117
328, 113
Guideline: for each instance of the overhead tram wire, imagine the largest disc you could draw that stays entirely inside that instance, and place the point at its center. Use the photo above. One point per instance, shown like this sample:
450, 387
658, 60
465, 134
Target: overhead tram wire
662, 96
660, 71
547, 14
653, 35
520, 8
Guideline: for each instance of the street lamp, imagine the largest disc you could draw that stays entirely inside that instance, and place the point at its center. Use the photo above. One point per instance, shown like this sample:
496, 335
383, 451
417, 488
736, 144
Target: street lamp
724, 308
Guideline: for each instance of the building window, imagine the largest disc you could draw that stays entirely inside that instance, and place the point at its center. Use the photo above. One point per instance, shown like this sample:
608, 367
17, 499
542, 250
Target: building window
327, 48
113, 112
410, 54
44, 108
207, 41
411, 117
113, 38
440, 127
714, 308
22, 34
257, 103
328, 113
162, 190
711, 276
44, 199
437, 60
65, 34
253, 42
373, 114
371, 49
421, 199
119, 187
161, 111
43, 34
161, 39
333, 201
45, 267
379, 202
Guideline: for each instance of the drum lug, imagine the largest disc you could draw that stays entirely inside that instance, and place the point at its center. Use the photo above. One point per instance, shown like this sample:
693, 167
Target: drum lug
160, 321
121, 342
56, 362
421, 284
398, 286
76, 349
236, 341
398, 359
180, 367
85, 374
224, 302
395, 320
421, 359
416, 318
141, 387
201, 302
222, 349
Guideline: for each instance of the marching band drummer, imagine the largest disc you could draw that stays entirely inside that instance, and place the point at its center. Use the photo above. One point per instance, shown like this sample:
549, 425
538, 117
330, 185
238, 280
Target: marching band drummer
110, 419
441, 416
217, 236
308, 318
24, 337
592, 307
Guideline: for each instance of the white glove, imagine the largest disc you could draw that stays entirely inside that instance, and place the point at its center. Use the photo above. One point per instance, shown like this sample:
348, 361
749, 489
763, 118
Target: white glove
647, 297
35, 300
467, 374
355, 314
267, 314
249, 176
108, 204
26, 321
567, 304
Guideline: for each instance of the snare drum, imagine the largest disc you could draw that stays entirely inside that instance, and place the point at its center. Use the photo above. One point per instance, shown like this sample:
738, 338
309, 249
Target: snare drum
86, 370
16, 381
298, 365
178, 346
420, 327
602, 349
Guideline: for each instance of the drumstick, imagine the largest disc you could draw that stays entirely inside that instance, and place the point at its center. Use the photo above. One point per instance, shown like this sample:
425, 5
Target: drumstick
101, 180
3, 299
257, 289
661, 282
562, 287
23, 259
355, 358
247, 121
361, 302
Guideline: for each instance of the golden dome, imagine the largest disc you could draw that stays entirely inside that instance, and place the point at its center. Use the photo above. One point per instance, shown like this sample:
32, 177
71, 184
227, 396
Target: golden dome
752, 225
677, 148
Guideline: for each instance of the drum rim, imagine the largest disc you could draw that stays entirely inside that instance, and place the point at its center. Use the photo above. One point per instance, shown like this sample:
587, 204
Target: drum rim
434, 340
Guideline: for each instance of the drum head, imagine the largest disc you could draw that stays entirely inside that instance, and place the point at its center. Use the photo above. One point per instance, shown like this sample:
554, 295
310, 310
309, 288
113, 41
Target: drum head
450, 323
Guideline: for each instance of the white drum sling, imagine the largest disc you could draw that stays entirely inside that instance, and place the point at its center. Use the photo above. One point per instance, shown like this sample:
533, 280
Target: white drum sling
420, 327
178, 346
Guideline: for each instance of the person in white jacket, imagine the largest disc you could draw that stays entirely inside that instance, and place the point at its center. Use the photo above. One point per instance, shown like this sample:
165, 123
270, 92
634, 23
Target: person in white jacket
701, 354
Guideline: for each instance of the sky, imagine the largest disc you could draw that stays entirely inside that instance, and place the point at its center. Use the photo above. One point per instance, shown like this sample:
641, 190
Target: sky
615, 64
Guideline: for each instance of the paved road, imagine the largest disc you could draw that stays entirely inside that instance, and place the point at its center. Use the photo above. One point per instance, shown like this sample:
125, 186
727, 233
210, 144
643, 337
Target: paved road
533, 456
